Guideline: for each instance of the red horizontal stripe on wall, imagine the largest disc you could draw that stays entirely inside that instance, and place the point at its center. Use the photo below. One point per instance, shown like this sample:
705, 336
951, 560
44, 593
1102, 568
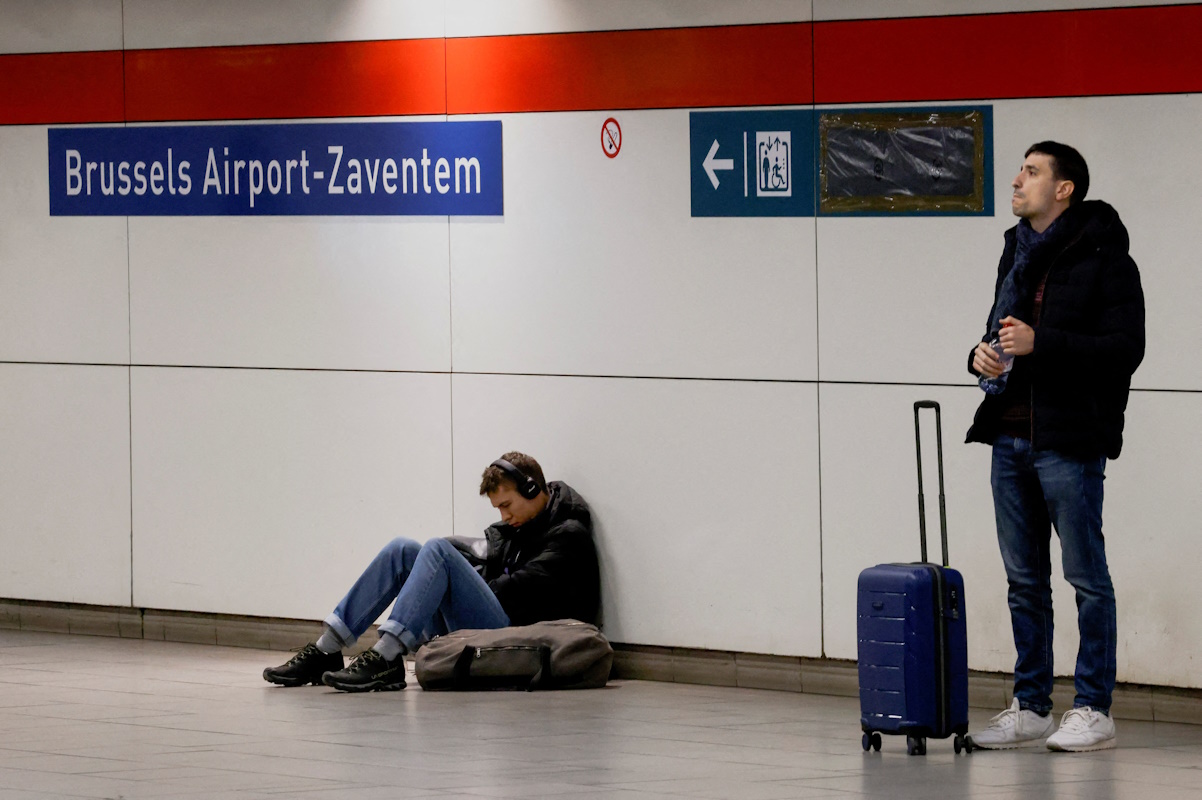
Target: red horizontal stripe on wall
334, 79
672, 68
1151, 50
1144, 50
61, 87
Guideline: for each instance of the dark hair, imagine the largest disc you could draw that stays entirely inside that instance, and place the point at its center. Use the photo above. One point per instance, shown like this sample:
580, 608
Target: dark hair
1067, 165
494, 477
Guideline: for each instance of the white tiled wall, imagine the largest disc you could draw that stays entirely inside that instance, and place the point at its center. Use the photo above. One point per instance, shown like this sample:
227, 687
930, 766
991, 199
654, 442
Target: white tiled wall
300, 292
485, 18
875, 9
179, 23
60, 26
1152, 509
870, 506
266, 492
598, 268
732, 395
705, 495
64, 290
64, 483
904, 300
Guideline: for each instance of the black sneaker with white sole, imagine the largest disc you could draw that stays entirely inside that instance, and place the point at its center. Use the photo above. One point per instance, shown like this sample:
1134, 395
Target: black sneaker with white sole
307, 666
369, 672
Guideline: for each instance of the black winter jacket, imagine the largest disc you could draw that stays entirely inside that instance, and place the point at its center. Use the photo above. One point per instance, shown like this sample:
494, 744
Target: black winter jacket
1089, 340
547, 568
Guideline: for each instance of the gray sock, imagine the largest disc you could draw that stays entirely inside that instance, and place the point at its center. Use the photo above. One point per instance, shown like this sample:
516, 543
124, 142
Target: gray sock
389, 646
329, 642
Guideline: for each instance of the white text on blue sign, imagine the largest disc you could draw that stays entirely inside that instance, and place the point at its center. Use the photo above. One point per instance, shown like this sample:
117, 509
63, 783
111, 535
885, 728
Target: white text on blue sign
399, 168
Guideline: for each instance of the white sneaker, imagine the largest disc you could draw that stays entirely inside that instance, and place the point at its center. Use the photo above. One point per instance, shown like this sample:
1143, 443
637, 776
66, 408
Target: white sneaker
1014, 727
1083, 729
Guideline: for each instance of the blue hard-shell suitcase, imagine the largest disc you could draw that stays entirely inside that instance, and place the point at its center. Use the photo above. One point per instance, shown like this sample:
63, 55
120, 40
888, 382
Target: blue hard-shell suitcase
913, 643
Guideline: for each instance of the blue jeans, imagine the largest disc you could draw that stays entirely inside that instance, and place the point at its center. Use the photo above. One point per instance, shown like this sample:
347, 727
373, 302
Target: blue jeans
1034, 490
436, 591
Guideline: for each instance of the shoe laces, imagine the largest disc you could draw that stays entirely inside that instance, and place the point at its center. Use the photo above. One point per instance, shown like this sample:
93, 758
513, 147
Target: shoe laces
1078, 720
368, 661
1006, 719
303, 654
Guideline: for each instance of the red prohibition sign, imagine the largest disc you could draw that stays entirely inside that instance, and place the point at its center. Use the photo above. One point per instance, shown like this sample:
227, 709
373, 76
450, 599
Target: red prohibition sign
611, 137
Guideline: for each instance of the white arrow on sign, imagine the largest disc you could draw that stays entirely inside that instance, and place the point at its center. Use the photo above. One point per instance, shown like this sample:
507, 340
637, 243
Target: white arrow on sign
712, 164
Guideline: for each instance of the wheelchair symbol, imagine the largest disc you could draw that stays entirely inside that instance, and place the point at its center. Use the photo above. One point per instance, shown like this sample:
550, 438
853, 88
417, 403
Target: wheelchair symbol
773, 164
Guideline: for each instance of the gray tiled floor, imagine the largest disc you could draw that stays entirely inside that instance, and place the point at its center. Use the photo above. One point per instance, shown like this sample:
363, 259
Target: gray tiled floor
88, 716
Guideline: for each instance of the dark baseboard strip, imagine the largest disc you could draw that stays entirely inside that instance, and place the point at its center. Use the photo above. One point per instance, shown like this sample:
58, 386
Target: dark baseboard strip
228, 630
987, 690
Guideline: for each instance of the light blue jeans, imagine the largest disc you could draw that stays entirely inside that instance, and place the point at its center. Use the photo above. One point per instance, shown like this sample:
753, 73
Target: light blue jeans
1033, 491
435, 588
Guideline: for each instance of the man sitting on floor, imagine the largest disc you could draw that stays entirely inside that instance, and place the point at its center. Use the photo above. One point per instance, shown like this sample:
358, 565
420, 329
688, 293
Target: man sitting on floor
541, 564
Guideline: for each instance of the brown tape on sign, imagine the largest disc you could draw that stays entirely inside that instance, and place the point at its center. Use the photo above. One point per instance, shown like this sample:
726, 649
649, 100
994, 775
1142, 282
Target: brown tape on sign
902, 161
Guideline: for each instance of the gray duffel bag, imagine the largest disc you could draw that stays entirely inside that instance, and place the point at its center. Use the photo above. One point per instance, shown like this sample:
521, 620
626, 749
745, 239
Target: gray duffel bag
562, 654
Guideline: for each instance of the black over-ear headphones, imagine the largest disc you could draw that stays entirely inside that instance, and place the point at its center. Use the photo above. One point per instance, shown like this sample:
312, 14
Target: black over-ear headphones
527, 487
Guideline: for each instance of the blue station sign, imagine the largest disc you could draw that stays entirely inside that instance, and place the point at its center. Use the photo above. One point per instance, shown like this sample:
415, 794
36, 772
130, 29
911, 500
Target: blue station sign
752, 163
373, 168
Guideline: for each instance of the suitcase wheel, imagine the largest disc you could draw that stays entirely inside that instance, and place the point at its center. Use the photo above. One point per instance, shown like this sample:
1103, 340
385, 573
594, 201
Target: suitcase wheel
963, 743
871, 741
916, 745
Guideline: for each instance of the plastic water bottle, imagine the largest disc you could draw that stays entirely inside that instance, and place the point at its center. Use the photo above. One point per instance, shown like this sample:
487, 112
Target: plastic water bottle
998, 385
1007, 359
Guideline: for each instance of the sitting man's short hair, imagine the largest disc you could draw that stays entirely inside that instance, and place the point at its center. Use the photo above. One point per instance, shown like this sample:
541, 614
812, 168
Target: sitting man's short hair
494, 477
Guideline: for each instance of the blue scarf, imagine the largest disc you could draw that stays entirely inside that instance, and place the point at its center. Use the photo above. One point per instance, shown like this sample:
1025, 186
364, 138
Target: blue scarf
1016, 296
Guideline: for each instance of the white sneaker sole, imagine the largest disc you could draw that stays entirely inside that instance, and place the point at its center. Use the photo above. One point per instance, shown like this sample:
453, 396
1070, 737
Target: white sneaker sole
1008, 745
1105, 744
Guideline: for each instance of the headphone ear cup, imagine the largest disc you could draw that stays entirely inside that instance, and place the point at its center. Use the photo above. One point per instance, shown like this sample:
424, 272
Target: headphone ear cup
525, 485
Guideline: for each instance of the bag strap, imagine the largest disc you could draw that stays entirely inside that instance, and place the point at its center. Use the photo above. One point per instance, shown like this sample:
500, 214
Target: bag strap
542, 678
462, 671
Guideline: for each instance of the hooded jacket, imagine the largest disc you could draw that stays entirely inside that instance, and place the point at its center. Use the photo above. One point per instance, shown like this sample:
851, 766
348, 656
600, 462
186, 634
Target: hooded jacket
547, 568
1088, 341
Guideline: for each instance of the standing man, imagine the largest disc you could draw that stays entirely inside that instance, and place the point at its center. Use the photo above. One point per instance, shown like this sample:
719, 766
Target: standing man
540, 564
1064, 336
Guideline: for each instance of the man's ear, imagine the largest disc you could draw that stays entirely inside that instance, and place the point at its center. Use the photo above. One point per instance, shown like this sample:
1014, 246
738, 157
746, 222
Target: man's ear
1065, 189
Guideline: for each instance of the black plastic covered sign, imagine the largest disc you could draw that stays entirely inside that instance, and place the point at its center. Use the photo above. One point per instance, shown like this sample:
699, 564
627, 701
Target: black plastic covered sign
924, 161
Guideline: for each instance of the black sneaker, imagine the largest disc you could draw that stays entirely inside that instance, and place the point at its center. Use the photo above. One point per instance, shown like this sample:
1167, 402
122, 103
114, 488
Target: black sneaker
370, 672
307, 666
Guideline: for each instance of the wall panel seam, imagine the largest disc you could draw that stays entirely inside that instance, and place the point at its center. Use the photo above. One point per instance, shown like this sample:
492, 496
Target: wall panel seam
693, 378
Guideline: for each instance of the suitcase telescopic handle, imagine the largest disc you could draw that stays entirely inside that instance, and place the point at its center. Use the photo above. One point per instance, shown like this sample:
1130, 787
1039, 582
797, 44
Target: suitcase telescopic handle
922, 513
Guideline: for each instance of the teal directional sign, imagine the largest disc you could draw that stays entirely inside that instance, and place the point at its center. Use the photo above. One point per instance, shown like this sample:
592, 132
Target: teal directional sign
752, 163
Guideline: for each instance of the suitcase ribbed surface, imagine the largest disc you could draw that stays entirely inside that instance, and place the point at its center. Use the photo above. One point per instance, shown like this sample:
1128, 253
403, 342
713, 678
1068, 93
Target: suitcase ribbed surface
913, 659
